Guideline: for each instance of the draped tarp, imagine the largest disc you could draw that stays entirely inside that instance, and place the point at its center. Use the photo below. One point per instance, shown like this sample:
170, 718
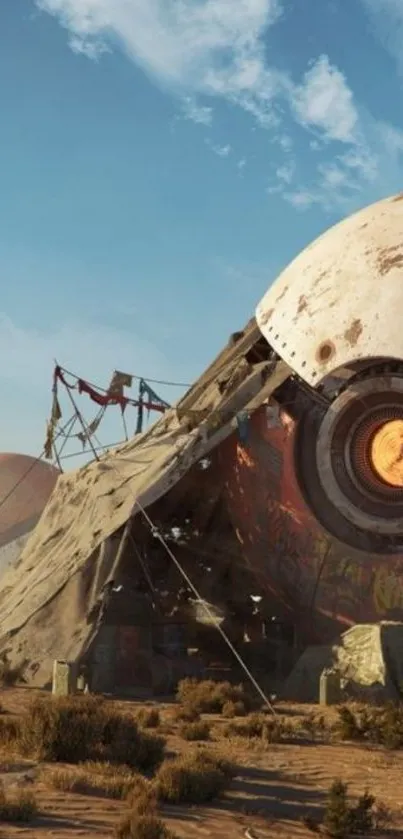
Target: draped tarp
91, 504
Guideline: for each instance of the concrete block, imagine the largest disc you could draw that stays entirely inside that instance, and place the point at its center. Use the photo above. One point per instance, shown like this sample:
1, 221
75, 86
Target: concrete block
64, 681
329, 688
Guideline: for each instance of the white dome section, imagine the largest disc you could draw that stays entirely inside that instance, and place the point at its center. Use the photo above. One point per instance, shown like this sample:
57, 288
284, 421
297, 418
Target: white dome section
341, 299
25, 487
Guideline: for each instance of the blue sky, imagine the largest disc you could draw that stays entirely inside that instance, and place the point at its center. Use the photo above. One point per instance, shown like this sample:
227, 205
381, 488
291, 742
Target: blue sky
162, 160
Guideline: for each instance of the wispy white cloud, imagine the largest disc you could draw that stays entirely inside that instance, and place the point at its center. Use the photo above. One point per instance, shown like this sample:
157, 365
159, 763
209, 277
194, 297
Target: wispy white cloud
285, 142
361, 175
387, 19
210, 47
215, 48
301, 199
90, 49
199, 114
220, 151
358, 158
285, 173
220, 49
325, 101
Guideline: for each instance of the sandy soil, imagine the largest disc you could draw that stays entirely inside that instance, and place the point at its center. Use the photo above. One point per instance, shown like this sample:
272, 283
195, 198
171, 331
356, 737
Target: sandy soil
277, 785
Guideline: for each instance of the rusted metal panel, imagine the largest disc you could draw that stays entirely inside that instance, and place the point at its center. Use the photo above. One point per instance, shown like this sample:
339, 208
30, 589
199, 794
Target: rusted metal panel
134, 657
104, 659
340, 299
314, 580
170, 638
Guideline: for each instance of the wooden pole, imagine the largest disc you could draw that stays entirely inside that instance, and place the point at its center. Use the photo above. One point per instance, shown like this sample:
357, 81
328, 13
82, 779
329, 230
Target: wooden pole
81, 421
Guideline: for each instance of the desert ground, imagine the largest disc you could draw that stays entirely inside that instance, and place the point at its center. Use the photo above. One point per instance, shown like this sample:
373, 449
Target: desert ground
277, 785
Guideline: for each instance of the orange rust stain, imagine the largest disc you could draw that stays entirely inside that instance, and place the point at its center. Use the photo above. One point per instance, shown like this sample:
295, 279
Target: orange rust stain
319, 278
325, 351
389, 259
284, 291
353, 332
244, 457
302, 304
266, 316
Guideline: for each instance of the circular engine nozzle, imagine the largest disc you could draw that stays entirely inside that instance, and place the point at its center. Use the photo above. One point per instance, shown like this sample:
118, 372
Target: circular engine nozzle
386, 452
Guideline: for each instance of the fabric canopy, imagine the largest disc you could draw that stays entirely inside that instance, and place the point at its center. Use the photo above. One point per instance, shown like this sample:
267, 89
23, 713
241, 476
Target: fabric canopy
90, 505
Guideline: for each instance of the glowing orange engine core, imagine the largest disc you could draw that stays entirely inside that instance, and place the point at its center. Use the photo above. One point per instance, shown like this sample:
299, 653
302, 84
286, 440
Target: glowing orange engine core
386, 453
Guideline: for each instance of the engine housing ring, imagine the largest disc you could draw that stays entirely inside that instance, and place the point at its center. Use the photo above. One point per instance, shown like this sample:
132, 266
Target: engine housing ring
362, 506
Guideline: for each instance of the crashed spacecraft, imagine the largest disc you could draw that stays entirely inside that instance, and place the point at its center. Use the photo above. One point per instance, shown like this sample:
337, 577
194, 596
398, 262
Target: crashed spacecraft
317, 495
300, 420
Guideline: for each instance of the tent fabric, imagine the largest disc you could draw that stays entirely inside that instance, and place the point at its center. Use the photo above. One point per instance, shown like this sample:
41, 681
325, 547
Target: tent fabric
91, 504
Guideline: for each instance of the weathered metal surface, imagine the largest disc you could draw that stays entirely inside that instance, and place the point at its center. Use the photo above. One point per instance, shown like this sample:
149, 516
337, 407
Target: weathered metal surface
134, 657
340, 299
360, 517
315, 580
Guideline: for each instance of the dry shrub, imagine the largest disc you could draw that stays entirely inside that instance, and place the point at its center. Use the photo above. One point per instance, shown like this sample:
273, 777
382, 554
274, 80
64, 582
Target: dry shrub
10, 730
192, 779
142, 822
269, 729
149, 718
315, 727
136, 826
195, 731
383, 726
22, 807
209, 697
143, 798
92, 778
348, 726
78, 729
342, 819
233, 709
186, 713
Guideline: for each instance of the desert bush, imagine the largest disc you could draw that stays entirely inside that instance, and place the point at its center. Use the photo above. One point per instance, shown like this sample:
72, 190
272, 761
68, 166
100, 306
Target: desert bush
186, 713
77, 729
348, 725
336, 817
149, 718
269, 729
343, 820
381, 725
195, 731
143, 798
133, 747
314, 727
192, 779
209, 697
10, 730
91, 778
20, 808
387, 726
136, 826
142, 822
233, 709
277, 730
